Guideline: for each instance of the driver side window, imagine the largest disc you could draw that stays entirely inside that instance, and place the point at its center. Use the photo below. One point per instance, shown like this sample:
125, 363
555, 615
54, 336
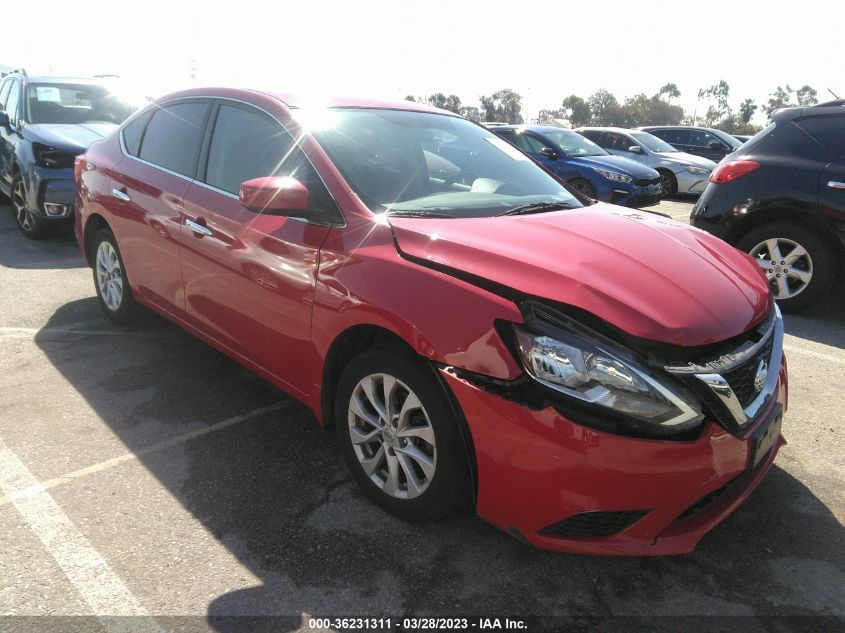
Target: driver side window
529, 144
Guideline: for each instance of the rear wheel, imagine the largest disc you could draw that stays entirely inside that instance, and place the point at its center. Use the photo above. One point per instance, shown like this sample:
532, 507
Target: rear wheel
583, 187
668, 182
113, 290
797, 262
399, 436
29, 224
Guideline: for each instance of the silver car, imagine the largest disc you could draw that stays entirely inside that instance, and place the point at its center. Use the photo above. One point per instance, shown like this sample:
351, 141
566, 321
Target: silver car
679, 172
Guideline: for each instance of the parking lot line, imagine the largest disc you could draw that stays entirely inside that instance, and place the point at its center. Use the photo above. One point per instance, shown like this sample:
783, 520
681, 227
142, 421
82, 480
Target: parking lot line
84, 567
29, 332
12, 494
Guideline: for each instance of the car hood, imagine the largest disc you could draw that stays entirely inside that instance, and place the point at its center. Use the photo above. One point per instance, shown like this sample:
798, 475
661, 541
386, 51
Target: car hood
70, 138
647, 275
682, 158
625, 166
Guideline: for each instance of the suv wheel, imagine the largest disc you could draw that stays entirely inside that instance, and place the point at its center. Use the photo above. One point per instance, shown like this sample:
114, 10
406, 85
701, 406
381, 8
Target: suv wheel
399, 436
28, 223
113, 290
797, 262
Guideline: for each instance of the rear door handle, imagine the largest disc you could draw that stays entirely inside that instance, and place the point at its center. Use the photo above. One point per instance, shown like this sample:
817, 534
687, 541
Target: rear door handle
833, 184
120, 195
196, 227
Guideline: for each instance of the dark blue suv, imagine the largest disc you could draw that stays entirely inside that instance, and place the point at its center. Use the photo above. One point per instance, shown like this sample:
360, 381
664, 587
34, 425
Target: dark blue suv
45, 122
585, 166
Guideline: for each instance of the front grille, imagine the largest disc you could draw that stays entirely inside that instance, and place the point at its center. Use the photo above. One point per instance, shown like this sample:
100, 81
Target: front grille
741, 379
647, 182
589, 524
706, 501
645, 201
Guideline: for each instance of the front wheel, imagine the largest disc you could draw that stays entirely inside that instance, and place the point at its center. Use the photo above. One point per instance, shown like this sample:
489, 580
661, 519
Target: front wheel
28, 223
797, 262
668, 183
583, 187
399, 435
112, 287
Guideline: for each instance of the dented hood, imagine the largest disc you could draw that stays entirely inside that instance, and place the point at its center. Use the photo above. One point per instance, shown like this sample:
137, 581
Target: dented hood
650, 276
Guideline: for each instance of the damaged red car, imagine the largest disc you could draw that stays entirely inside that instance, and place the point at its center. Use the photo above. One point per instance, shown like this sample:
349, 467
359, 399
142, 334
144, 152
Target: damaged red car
590, 378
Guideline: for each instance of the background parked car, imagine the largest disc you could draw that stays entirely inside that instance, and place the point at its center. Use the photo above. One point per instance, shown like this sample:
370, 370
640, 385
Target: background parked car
45, 122
742, 138
679, 172
781, 198
592, 171
701, 141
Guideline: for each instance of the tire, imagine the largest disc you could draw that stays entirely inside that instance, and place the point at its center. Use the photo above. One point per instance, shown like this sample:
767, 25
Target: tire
583, 187
668, 183
430, 492
110, 282
27, 222
794, 288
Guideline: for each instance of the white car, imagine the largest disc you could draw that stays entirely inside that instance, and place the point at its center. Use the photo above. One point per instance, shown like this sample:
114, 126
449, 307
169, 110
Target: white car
679, 172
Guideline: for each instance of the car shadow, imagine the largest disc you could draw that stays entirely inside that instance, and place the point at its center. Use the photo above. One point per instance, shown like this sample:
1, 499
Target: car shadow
824, 321
58, 251
274, 491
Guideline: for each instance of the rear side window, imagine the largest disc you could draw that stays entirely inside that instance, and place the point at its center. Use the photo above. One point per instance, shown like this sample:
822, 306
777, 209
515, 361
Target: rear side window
132, 133
680, 137
173, 135
593, 135
700, 138
827, 130
12, 103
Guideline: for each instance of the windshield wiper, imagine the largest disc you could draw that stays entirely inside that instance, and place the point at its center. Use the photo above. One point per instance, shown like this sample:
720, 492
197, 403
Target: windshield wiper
416, 214
538, 207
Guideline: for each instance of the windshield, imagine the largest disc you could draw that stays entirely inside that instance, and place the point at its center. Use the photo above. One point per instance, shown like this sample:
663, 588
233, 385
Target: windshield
573, 144
64, 103
652, 143
419, 163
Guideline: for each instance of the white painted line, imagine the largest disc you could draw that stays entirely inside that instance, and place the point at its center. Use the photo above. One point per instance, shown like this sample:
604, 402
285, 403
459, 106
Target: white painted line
808, 352
9, 496
87, 571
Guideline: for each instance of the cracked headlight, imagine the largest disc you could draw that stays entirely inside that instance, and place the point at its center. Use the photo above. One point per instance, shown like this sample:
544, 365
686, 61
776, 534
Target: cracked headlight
612, 175
588, 370
697, 171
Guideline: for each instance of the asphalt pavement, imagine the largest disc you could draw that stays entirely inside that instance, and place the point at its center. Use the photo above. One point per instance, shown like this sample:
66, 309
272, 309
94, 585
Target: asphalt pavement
147, 476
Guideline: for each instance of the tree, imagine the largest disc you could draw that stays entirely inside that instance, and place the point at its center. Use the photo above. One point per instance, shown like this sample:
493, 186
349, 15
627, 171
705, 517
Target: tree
410, 98
670, 90
746, 110
576, 110
806, 96
547, 117
643, 110
718, 92
780, 98
604, 108
504, 106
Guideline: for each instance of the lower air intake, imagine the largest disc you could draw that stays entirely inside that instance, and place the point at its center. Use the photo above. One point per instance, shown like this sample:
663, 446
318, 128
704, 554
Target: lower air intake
589, 524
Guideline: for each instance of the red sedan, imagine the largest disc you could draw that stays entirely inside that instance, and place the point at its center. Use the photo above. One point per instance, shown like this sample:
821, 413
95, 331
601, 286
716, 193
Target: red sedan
592, 378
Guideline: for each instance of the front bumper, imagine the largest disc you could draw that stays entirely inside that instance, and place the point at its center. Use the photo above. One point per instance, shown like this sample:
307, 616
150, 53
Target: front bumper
635, 196
50, 192
536, 468
690, 183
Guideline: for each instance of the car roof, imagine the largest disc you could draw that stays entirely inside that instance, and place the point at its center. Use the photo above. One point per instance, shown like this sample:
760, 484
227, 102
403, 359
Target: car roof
599, 128
532, 128
47, 79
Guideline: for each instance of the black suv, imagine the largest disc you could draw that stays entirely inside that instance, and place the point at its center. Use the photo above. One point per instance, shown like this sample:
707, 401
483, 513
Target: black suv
701, 141
45, 122
781, 197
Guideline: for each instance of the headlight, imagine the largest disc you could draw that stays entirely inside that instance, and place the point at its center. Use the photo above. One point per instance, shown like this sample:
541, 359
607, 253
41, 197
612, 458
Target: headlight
697, 171
588, 370
46, 156
613, 175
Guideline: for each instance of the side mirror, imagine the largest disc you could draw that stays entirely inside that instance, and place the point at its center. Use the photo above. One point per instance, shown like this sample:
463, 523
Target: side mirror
635, 149
275, 195
548, 152
4, 119
715, 145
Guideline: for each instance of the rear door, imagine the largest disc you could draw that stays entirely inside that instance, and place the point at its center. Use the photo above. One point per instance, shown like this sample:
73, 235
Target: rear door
829, 131
9, 137
250, 277
147, 193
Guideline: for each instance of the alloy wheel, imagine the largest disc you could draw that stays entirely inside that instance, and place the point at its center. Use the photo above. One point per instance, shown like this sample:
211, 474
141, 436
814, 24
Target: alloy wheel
666, 184
109, 276
392, 436
23, 215
786, 264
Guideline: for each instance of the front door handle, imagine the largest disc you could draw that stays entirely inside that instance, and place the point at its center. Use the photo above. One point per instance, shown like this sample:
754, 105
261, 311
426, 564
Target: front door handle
120, 195
198, 228
833, 184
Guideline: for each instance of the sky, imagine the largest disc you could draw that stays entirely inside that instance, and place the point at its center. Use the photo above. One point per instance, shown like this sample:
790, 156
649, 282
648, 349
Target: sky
543, 49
